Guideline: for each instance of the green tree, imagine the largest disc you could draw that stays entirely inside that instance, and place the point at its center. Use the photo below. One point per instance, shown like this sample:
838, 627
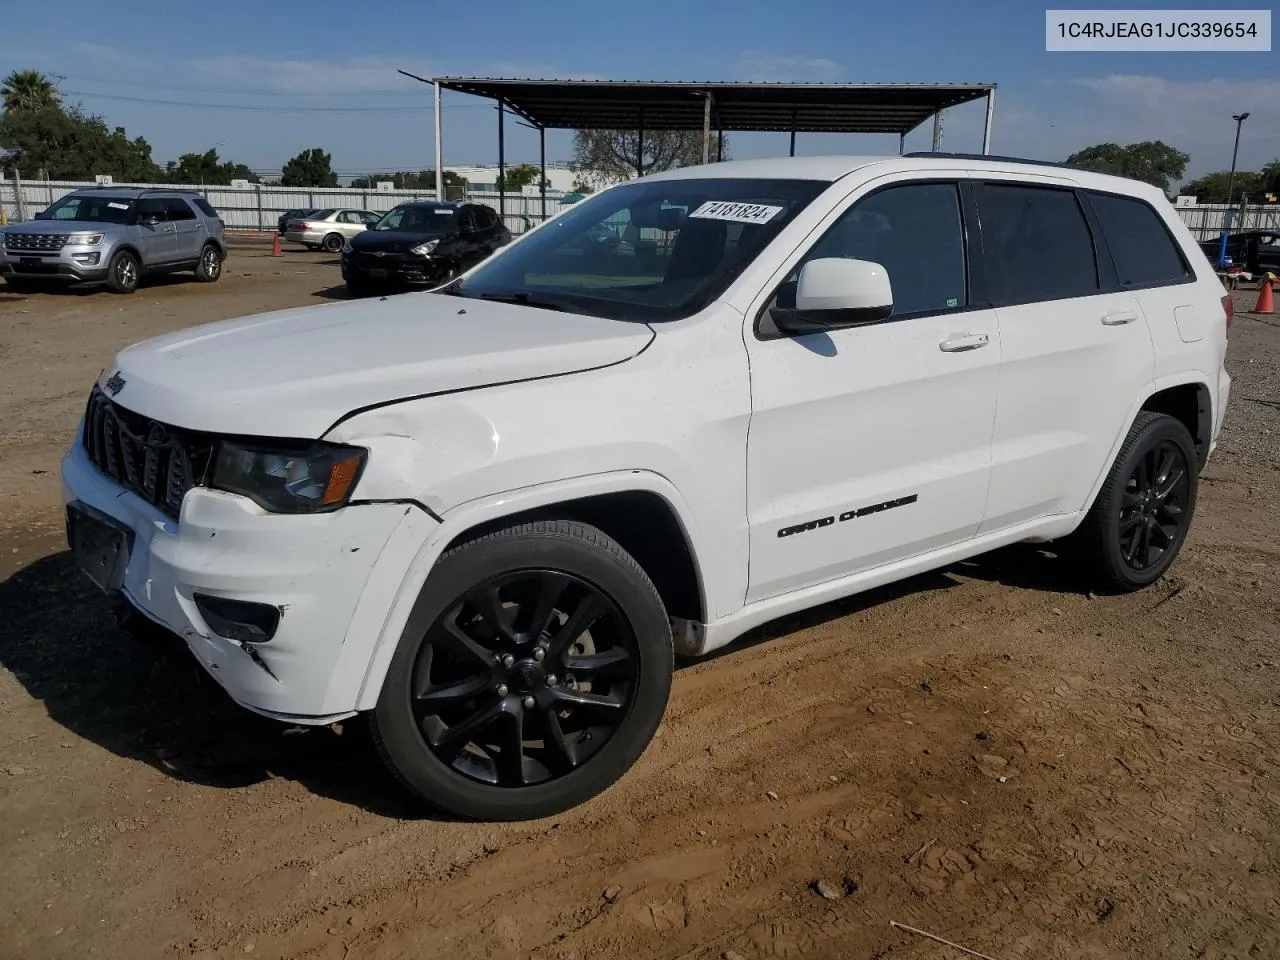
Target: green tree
519, 177
1212, 187
72, 145
1270, 178
610, 155
1151, 161
310, 168
205, 168
29, 90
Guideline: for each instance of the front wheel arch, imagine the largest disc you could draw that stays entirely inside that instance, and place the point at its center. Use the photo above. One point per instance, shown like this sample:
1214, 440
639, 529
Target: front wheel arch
370, 662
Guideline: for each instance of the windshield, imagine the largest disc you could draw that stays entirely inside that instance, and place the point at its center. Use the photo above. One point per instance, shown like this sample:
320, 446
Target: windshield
90, 209
651, 251
418, 218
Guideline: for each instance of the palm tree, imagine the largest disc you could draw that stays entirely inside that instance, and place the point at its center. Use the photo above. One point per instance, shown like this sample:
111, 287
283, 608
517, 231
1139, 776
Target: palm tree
28, 90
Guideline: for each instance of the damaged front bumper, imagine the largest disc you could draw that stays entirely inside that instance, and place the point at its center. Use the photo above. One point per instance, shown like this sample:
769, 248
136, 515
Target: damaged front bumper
280, 609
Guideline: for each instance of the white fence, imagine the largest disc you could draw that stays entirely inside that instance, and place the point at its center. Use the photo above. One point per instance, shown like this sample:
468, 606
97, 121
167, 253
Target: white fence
1205, 220
259, 207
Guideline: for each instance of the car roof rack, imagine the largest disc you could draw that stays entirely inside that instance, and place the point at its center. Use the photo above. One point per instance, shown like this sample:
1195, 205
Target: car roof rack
938, 155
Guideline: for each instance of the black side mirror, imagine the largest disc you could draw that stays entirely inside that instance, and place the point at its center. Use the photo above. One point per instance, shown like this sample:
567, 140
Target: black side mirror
42, 216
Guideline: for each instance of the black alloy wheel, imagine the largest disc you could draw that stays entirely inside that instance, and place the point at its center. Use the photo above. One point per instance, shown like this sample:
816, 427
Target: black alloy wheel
532, 674
1153, 507
1139, 521
524, 678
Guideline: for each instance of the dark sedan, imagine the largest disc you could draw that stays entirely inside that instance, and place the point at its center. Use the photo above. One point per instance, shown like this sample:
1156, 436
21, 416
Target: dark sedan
1254, 251
292, 215
421, 244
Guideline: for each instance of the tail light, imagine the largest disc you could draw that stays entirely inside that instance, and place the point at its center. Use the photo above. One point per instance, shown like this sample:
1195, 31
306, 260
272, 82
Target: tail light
1229, 308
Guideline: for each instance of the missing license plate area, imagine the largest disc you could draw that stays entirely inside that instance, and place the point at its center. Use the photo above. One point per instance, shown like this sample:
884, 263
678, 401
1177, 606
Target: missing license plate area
99, 545
377, 272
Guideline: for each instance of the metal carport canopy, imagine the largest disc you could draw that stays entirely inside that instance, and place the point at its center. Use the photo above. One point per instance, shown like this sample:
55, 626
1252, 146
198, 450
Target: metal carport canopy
683, 105
738, 107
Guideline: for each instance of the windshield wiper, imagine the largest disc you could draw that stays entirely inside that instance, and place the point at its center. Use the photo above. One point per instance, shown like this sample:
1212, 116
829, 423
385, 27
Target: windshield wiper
532, 300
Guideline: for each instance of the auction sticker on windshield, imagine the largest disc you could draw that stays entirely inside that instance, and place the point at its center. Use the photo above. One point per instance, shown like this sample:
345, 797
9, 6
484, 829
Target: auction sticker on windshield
735, 212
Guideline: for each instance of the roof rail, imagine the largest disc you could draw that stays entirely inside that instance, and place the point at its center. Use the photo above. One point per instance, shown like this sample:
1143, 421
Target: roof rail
983, 156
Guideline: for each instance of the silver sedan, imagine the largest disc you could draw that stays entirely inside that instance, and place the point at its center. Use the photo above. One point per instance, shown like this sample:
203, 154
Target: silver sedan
329, 229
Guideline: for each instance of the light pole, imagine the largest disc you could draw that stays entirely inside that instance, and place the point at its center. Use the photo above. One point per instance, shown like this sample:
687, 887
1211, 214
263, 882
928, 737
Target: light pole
1231, 178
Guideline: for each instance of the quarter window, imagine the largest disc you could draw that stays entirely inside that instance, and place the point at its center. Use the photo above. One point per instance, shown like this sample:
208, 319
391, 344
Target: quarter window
1037, 243
1141, 248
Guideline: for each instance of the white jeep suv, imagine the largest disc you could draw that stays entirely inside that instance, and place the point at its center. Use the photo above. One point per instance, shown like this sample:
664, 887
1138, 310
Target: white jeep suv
488, 516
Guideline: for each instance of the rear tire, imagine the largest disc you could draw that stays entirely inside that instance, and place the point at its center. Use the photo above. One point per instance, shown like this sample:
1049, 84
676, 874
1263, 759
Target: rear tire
1138, 523
123, 273
493, 706
332, 243
209, 266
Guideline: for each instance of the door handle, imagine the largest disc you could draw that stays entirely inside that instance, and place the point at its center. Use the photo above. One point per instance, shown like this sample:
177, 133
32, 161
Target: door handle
964, 341
1119, 317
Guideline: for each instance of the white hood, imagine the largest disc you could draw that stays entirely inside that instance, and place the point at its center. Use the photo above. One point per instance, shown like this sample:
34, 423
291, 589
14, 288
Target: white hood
293, 373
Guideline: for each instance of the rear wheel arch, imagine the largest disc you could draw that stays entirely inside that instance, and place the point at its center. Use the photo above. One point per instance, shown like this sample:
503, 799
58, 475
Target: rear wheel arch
1189, 401
1191, 404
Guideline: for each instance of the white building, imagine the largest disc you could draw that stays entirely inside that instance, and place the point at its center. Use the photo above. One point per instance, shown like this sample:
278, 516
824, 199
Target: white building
559, 177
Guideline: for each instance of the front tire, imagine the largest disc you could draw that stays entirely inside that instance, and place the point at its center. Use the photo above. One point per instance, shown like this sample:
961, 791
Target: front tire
1138, 523
123, 273
532, 674
209, 266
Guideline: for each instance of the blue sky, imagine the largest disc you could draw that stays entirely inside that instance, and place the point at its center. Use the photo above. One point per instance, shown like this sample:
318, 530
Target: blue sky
265, 73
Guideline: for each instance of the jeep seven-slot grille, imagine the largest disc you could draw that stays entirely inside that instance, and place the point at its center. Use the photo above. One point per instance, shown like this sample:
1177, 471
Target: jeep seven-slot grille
158, 462
35, 241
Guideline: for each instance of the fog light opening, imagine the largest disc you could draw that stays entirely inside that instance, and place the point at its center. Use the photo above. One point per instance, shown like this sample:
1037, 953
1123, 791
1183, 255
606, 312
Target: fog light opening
239, 620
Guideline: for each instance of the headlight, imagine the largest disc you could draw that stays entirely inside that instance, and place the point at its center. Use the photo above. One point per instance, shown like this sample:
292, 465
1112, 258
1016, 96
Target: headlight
290, 481
84, 239
346, 246
423, 249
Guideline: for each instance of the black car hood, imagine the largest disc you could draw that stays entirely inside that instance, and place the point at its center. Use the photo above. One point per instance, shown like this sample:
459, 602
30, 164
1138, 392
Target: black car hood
391, 241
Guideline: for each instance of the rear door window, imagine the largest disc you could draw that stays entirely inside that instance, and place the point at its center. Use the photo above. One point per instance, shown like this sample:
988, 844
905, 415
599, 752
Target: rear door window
1143, 251
151, 207
1037, 243
178, 209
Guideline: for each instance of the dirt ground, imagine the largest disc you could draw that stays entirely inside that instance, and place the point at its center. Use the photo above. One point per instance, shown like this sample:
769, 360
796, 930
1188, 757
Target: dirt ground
989, 753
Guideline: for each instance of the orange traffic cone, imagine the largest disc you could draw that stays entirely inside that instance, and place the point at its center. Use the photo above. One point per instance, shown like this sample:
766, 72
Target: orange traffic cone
1266, 300
275, 246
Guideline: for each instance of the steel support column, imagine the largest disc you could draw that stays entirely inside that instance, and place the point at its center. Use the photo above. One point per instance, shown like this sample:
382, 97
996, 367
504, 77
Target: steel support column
502, 164
986, 129
439, 147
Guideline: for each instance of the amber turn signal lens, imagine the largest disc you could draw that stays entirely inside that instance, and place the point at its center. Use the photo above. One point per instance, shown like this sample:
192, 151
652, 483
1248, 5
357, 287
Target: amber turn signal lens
341, 475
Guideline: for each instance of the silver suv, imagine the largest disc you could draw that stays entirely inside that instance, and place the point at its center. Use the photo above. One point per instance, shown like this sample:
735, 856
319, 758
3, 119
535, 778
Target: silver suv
115, 236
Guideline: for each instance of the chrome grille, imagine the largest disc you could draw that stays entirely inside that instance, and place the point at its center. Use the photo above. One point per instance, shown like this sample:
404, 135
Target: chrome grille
158, 462
35, 241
